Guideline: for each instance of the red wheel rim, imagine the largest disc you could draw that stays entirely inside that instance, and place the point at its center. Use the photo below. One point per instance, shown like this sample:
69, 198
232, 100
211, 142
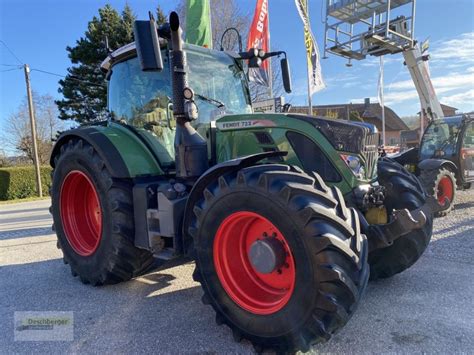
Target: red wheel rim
81, 215
445, 189
255, 292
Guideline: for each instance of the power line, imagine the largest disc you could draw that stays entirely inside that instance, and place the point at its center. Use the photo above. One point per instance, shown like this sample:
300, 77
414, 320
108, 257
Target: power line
10, 65
3, 71
70, 77
11, 52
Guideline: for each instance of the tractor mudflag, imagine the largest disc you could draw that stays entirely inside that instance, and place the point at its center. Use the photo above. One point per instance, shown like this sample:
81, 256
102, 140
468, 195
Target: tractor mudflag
198, 23
316, 82
259, 37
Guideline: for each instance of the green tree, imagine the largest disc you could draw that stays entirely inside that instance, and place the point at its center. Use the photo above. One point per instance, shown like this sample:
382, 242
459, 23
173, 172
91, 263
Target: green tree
84, 89
160, 16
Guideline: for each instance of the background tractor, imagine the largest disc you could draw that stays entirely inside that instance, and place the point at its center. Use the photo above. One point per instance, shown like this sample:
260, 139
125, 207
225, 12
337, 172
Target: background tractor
445, 159
356, 29
282, 213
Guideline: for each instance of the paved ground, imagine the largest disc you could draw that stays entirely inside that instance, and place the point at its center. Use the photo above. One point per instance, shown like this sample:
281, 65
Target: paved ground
429, 308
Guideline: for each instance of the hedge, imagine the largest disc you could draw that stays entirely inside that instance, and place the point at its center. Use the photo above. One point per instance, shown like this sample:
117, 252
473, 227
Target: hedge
20, 182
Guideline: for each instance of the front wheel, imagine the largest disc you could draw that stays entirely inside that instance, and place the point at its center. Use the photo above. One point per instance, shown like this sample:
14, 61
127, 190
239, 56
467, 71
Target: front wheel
403, 190
279, 256
441, 184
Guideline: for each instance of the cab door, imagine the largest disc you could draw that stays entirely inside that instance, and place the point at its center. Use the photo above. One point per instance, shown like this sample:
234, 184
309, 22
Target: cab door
466, 156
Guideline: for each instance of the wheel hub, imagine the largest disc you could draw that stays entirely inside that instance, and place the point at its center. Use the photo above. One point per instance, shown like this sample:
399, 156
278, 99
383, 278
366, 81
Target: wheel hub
254, 262
81, 214
445, 190
267, 255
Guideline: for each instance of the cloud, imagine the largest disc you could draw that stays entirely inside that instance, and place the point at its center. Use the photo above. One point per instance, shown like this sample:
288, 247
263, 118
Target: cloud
455, 50
452, 73
460, 99
450, 81
372, 62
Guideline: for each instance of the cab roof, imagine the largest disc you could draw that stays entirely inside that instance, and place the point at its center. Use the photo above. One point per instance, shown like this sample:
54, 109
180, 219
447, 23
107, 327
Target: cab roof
130, 50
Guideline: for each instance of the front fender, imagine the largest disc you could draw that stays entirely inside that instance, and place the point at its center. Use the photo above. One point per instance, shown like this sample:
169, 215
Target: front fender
409, 156
212, 174
432, 164
125, 156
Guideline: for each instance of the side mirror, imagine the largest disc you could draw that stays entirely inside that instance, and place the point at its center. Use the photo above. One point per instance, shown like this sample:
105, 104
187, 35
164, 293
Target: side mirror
285, 73
148, 45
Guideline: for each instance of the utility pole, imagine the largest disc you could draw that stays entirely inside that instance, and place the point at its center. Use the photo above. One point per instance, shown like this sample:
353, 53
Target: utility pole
39, 188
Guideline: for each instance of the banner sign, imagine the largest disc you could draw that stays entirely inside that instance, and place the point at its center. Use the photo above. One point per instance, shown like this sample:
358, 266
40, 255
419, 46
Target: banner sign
274, 105
259, 38
312, 50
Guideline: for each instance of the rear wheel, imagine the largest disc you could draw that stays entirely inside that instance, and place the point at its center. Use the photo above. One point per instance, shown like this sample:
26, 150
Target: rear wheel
440, 183
93, 218
279, 256
403, 190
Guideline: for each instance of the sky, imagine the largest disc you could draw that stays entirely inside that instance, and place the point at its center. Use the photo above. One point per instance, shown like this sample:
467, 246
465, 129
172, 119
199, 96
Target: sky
38, 31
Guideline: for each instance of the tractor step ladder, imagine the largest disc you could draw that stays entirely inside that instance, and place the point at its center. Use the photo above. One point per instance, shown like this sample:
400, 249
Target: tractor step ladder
357, 28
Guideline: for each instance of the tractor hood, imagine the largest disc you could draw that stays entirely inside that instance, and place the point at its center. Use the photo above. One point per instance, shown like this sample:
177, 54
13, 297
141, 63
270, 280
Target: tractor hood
342, 141
344, 136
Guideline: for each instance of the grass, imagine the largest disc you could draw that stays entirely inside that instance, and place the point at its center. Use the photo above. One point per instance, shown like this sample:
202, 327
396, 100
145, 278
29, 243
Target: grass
28, 199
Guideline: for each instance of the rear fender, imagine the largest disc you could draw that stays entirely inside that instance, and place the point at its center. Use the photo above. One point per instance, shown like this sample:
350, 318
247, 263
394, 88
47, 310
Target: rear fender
409, 156
123, 153
433, 164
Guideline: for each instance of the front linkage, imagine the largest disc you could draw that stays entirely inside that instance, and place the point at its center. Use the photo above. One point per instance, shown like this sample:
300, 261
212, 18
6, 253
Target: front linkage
401, 223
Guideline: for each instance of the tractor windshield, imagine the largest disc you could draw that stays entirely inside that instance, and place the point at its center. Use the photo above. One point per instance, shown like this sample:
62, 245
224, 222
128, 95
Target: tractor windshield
142, 98
441, 138
217, 76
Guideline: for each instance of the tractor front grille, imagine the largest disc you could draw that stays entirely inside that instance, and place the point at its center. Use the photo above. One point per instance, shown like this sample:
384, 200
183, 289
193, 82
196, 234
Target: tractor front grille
370, 154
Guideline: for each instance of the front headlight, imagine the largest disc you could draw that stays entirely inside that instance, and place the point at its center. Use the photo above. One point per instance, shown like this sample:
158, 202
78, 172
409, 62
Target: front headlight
410, 167
354, 164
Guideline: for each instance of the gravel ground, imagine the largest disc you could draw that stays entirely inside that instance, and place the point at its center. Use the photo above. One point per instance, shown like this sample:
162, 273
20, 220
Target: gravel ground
427, 309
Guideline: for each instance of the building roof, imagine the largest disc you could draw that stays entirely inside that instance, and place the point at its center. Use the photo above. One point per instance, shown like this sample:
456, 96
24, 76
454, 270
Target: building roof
369, 112
443, 107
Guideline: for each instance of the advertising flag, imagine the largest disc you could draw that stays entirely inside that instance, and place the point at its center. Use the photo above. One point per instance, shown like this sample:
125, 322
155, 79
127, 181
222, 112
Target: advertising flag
315, 77
259, 37
198, 23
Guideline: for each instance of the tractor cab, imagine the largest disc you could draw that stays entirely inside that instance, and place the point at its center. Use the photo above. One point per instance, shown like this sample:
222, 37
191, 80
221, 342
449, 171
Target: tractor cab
143, 99
445, 159
451, 139
441, 138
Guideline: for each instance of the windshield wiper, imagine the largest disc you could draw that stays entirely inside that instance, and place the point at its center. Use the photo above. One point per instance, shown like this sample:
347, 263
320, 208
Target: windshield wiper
214, 102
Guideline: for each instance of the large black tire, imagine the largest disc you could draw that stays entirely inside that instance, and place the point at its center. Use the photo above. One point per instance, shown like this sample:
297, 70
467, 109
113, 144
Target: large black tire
439, 183
115, 258
403, 190
324, 240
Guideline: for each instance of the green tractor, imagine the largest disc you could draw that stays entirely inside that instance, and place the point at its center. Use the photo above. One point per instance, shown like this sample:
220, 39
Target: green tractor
282, 213
445, 159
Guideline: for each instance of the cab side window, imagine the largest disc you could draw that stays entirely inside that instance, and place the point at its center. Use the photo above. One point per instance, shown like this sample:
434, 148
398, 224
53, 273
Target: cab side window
143, 100
468, 139
139, 97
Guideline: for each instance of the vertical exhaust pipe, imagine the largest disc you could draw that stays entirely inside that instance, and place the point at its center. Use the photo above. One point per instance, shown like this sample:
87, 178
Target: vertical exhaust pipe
190, 148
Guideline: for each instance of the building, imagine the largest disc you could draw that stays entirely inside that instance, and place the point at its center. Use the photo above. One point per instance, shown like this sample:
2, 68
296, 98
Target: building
366, 112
